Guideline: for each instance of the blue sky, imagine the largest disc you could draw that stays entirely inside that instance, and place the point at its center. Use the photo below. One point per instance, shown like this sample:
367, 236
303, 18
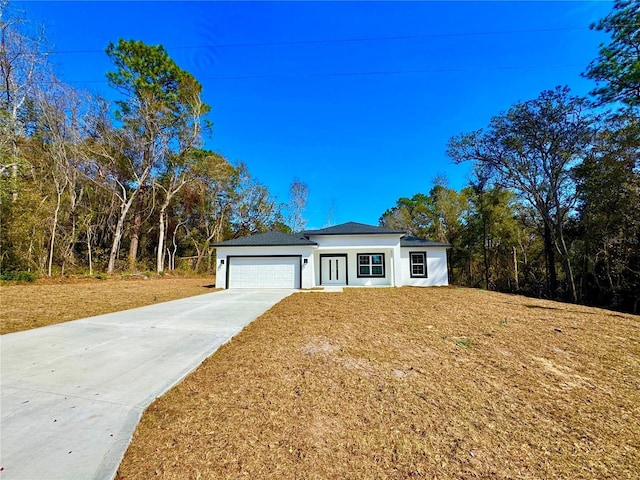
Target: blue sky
356, 99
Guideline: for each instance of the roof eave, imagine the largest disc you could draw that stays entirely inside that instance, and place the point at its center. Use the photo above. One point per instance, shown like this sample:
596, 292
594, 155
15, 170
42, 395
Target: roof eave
313, 244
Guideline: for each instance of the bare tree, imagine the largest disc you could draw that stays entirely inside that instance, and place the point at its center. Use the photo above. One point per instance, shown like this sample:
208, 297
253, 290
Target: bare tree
23, 66
532, 150
298, 194
182, 167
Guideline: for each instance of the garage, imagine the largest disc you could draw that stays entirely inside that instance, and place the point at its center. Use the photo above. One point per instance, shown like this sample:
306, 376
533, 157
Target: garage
263, 272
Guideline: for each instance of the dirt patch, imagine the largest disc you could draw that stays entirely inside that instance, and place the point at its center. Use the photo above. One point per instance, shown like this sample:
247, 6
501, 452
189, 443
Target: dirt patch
50, 301
377, 384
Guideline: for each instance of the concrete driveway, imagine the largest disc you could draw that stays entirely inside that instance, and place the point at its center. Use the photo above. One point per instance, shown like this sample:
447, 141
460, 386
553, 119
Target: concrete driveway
73, 393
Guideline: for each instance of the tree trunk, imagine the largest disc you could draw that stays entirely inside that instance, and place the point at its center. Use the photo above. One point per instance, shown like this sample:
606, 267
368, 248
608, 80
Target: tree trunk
162, 225
117, 237
89, 252
516, 281
14, 178
566, 265
161, 234
135, 229
172, 253
549, 250
484, 255
124, 209
54, 227
215, 236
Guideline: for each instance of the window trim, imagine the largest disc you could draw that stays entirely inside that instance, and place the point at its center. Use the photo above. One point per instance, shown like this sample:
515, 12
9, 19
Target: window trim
370, 265
424, 264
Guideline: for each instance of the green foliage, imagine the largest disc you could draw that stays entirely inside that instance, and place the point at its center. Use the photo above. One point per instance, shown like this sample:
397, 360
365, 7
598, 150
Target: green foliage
491, 234
437, 216
147, 76
531, 149
608, 223
75, 185
617, 68
18, 276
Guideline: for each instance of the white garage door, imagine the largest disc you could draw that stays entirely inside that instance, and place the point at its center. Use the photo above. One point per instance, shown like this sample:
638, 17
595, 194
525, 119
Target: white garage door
264, 272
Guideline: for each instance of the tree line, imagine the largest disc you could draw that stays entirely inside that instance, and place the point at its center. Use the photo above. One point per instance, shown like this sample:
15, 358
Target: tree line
552, 207
87, 186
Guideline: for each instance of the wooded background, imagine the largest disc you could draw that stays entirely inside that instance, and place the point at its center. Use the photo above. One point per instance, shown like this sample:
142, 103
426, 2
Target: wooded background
88, 187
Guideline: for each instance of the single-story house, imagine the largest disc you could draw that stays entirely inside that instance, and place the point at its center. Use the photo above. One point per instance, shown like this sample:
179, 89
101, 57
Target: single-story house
350, 254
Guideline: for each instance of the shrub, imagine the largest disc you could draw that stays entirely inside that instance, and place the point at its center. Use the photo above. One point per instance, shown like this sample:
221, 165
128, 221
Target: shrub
18, 276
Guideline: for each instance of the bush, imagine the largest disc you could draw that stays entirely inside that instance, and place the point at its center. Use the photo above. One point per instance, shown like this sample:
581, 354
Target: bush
18, 276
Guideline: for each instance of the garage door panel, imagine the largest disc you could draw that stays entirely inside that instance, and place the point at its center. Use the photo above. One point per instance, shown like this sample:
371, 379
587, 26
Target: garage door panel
264, 272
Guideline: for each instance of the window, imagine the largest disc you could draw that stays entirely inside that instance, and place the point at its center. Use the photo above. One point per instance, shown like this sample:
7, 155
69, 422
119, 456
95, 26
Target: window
418, 264
371, 265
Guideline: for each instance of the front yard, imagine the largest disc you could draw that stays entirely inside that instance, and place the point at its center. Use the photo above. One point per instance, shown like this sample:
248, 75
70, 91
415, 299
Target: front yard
50, 301
433, 383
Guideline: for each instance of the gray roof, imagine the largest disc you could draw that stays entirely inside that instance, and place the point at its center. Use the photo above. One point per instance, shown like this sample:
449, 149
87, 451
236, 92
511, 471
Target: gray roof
410, 241
279, 239
268, 239
352, 228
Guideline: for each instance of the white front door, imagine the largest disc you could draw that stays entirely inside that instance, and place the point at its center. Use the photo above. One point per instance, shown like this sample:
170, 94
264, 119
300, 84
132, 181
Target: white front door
333, 270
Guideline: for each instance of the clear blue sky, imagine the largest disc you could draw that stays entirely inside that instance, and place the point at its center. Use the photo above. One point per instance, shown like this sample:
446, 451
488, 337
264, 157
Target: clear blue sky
356, 99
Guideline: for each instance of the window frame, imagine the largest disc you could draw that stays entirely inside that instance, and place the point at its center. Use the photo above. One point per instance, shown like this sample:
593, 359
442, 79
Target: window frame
424, 265
370, 264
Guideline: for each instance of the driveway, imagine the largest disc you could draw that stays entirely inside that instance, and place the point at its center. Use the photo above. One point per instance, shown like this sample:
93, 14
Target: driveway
73, 393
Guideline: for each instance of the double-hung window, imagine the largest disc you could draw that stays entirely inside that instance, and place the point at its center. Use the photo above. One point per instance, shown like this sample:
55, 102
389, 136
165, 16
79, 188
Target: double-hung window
418, 264
371, 264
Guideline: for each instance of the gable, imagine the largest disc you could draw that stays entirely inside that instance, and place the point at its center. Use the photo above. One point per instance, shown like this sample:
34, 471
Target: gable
353, 228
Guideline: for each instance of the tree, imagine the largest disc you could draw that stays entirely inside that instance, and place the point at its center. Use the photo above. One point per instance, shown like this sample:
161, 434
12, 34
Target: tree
492, 228
532, 150
60, 111
413, 215
181, 166
437, 216
608, 186
181, 170
298, 193
617, 68
254, 210
158, 114
24, 71
23, 67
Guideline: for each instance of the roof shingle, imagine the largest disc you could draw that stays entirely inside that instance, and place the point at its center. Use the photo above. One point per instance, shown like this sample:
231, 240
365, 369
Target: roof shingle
411, 241
268, 239
352, 228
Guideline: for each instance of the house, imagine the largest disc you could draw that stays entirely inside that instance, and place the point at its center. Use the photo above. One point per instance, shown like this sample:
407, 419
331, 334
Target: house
350, 254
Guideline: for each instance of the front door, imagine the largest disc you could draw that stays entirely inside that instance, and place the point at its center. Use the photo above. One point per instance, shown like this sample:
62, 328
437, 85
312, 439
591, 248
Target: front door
333, 270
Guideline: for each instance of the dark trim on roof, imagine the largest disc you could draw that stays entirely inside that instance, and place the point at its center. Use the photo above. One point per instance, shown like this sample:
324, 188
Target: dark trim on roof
411, 241
353, 228
268, 239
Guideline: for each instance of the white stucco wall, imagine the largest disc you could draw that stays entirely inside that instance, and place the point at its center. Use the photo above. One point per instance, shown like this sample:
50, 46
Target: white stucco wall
352, 245
437, 274
222, 253
396, 258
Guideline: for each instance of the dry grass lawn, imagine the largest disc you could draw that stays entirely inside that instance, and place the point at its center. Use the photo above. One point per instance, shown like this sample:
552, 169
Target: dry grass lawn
46, 302
437, 383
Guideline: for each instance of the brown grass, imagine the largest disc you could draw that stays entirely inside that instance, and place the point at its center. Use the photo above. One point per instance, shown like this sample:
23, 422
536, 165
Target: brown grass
406, 383
46, 302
